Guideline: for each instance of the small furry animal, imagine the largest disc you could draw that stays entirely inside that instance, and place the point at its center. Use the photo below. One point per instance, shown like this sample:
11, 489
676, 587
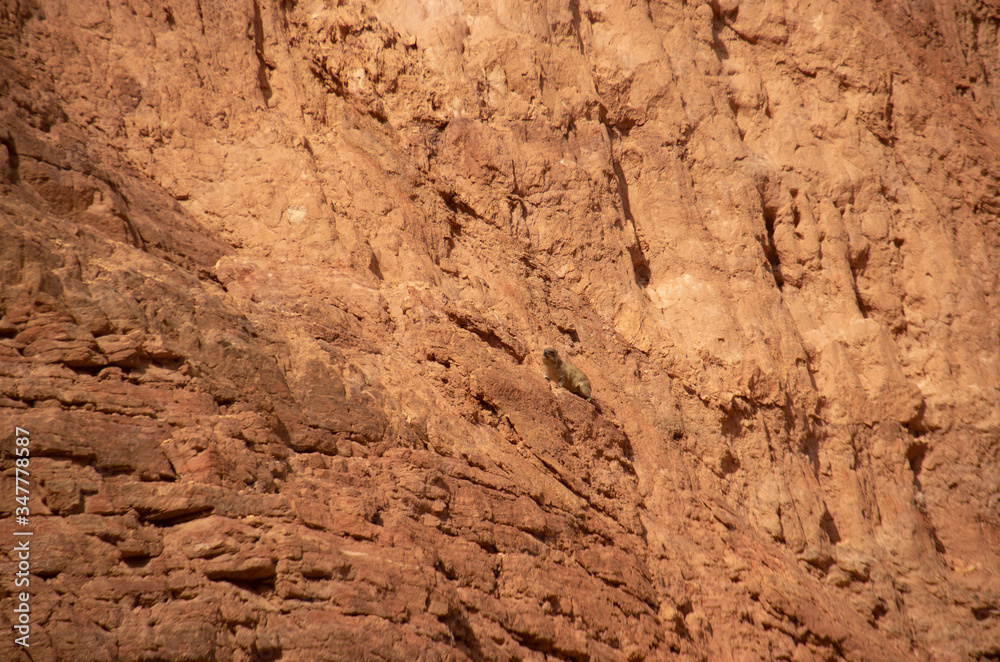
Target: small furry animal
565, 374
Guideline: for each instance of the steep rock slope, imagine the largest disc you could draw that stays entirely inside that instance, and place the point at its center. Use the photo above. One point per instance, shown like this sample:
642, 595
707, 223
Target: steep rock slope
277, 278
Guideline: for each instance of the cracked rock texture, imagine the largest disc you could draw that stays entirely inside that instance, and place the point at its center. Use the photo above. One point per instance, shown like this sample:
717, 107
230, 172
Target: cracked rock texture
277, 275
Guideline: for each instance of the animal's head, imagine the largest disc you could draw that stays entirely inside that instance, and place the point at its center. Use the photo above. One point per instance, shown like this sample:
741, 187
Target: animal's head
550, 355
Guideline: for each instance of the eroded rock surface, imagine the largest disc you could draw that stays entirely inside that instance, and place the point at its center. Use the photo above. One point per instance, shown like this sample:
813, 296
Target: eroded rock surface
276, 278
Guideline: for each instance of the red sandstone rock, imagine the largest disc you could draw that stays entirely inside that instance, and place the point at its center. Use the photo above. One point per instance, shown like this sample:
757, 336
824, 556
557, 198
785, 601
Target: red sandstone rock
275, 279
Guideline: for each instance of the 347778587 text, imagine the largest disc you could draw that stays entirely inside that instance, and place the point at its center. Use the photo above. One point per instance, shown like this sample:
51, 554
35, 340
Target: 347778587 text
21, 552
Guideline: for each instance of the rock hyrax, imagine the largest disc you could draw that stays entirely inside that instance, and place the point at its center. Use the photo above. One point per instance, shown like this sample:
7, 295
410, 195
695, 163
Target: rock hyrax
565, 374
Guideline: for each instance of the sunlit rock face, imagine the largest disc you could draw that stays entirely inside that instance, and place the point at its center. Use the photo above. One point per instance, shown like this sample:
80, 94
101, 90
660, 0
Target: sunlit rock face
276, 279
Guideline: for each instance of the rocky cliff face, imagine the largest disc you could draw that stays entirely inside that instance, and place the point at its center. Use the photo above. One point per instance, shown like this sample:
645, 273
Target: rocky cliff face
277, 277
